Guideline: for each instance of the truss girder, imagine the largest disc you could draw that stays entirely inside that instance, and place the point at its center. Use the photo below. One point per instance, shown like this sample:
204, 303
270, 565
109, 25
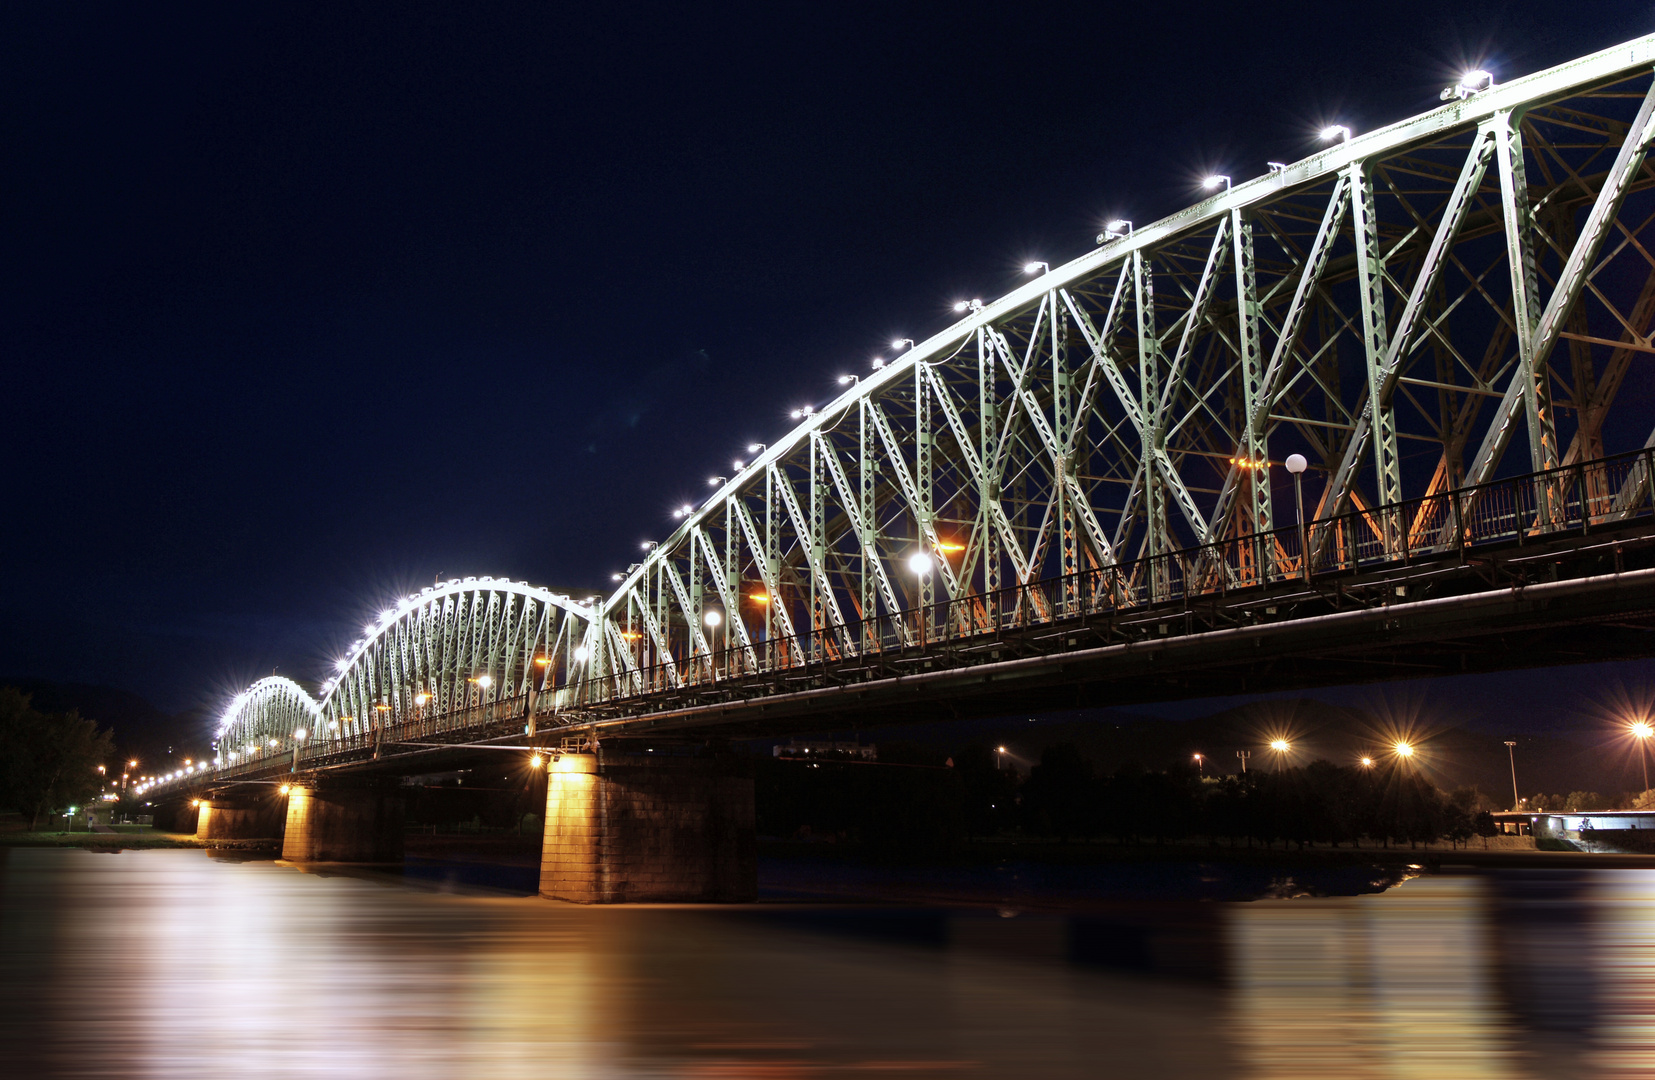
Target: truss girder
1141, 399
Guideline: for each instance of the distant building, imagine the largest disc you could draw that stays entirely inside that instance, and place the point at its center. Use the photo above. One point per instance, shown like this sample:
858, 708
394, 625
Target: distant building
1584, 830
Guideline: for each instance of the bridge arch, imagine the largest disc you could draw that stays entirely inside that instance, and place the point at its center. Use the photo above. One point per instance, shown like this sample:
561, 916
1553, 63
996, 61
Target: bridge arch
1401, 308
263, 719
444, 657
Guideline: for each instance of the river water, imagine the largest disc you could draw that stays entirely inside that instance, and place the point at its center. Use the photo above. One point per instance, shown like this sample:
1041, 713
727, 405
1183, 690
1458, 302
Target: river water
175, 964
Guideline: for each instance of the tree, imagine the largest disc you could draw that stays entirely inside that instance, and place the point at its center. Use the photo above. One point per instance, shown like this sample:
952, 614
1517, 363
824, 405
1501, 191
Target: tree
990, 791
1583, 801
1060, 796
48, 761
1483, 825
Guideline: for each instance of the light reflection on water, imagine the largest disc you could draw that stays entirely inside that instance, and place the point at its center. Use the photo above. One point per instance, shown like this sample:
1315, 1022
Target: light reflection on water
171, 964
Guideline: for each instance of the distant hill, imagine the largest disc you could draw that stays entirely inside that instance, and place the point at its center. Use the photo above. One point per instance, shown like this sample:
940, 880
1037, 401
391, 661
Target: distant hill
1450, 756
141, 730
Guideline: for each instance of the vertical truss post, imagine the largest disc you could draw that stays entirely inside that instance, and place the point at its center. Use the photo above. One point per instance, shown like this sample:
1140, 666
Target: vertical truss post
1518, 216
1064, 465
867, 477
988, 495
923, 516
733, 628
1370, 283
772, 556
1149, 391
818, 550
1252, 376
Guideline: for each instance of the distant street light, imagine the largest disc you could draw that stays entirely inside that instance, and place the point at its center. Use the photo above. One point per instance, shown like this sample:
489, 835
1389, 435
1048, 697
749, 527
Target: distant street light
1404, 750
900, 342
1201, 765
1216, 179
1037, 267
1335, 133
1281, 747
1367, 763
1511, 752
1642, 731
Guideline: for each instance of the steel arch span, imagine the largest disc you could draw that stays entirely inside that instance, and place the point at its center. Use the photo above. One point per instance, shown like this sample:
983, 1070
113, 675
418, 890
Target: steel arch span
464, 655
263, 720
1439, 317
1417, 311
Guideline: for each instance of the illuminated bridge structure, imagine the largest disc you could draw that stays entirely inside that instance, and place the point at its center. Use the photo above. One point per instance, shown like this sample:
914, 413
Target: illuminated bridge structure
1079, 492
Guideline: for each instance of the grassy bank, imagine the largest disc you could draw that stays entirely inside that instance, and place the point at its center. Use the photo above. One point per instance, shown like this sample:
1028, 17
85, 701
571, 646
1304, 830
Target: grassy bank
117, 841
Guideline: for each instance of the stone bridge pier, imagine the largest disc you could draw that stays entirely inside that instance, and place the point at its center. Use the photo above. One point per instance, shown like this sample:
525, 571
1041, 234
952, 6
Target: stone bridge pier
648, 827
343, 821
239, 817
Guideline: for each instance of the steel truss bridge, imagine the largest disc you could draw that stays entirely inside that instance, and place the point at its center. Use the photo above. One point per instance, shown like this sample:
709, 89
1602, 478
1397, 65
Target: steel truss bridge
1074, 494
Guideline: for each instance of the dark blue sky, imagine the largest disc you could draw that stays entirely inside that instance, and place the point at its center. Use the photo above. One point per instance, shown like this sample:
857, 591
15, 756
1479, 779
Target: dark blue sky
306, 305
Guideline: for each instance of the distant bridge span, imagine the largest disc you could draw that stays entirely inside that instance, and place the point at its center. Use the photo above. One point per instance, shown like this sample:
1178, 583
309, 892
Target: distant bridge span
1076, 494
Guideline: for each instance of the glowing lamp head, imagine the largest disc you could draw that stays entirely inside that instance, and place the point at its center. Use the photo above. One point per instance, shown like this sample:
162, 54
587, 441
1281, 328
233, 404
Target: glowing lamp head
1367, 763
285, 788
1036, 267
1403, 749
961, 306
582, 654
535, 761
1642, 730
920, 563
1296, 464
1334, 133
1280, 746
713, 618
300, 734
753, 448
1215, 181
485, 680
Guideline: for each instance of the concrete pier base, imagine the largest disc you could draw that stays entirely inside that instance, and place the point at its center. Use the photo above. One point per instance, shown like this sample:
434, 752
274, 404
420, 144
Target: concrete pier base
343, 824
239, 819
638, 828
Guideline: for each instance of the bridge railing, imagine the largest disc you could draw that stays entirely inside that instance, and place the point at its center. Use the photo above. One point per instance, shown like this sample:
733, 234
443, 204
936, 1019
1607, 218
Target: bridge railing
1521, 509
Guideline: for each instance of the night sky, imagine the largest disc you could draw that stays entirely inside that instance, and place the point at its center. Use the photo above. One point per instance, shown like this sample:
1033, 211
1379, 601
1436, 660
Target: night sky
306, 306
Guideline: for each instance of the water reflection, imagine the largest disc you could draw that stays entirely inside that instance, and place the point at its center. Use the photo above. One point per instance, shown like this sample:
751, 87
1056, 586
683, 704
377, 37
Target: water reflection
170, 964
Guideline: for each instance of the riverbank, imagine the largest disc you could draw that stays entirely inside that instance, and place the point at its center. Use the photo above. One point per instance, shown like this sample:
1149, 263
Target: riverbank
100, 841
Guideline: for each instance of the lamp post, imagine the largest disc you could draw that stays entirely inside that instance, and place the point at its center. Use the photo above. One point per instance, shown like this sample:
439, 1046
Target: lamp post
1201, 765
1511, 752
1281, 747
712, 619
920, 564
1296, 464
